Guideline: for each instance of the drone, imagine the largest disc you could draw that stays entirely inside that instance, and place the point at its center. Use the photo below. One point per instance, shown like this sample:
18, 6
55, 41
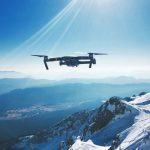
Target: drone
71, 61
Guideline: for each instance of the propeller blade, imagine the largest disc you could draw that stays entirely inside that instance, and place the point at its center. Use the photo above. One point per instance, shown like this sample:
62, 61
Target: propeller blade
40, 55
97, 54
100, 54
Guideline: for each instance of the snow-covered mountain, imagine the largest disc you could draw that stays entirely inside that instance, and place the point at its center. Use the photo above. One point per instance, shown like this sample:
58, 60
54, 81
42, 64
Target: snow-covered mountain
134, 137
117, 124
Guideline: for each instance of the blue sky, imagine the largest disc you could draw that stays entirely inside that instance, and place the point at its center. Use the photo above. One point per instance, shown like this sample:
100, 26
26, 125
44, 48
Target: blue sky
21, 19
120, 28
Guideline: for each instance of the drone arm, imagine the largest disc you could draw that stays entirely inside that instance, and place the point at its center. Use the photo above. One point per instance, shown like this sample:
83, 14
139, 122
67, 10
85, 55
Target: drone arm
50, 59
83, 57
54, 59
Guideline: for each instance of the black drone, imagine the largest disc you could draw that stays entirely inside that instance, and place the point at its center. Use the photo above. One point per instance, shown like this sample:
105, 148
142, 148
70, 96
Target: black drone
72, 61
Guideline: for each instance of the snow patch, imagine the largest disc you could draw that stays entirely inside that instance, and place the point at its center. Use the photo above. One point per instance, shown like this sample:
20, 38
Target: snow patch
89, 145
111, 108
144, 99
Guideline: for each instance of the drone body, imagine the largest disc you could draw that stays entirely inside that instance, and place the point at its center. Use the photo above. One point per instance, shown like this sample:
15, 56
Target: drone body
72, 61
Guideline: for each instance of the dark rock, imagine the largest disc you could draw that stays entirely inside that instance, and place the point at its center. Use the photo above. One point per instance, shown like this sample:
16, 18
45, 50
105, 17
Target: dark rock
142, 93
128, 99
104, 115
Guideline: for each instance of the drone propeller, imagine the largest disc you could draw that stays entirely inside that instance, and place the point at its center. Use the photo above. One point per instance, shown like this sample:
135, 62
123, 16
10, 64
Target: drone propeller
40, 55
97, 54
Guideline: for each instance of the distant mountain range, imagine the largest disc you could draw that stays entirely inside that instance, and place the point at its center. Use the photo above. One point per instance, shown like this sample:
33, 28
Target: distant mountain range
109, 80
8, 83
66, 93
